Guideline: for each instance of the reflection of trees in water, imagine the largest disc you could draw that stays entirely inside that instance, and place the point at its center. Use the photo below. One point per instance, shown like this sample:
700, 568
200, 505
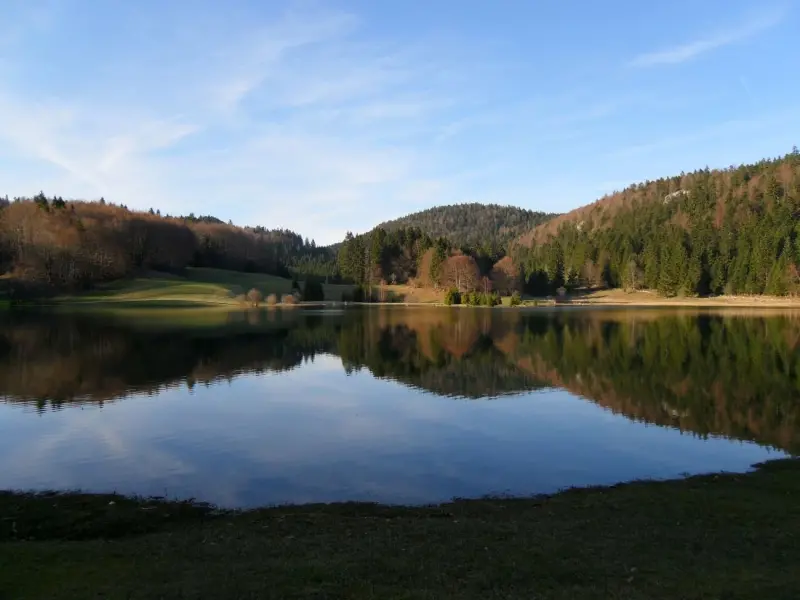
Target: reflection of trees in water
52, 361
705, 374
421, 359
738, 377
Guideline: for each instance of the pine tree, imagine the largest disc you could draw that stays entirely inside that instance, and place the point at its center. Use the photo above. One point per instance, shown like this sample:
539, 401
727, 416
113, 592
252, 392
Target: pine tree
777, 282
692, 277
673, 265
651, 266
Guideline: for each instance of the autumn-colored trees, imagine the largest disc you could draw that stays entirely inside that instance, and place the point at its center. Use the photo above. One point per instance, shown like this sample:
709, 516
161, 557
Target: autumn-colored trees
406, 254
505, 276
430, 268
79, 243
460, 272
255, 297
63, 244
391, 255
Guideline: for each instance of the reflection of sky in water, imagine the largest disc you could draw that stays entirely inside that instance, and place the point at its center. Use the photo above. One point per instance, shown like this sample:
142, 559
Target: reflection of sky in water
315, 434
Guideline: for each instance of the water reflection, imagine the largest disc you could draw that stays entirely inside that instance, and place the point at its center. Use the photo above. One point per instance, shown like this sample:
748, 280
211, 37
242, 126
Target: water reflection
734, 376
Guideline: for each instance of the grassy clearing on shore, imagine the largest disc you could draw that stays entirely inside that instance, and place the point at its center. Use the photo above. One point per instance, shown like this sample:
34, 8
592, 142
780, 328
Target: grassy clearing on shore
200, 286
716, 536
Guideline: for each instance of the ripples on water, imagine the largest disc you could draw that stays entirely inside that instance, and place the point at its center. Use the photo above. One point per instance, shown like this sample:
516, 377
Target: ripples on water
389, 404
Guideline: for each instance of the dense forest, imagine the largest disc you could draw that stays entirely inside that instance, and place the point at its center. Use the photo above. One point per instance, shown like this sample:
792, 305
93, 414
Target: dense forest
49, 243
704, 374
457, 247
731, 231
487, 226
408, 255
53, 244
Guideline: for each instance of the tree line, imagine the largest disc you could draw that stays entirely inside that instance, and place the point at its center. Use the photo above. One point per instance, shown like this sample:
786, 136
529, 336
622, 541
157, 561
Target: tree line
51, 243
408, 255
487, 226
730, 231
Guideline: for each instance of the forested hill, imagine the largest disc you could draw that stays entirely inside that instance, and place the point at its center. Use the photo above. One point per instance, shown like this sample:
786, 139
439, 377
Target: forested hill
57, 244
471, 225
734, 231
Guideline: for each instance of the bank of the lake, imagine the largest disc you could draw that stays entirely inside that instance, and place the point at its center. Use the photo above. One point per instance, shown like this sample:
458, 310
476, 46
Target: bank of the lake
194, 287
646, 298
713, 536
210, 288
223, 289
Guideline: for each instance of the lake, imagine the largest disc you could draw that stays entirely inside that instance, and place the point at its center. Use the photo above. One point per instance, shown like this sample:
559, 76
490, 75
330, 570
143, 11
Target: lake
389, 404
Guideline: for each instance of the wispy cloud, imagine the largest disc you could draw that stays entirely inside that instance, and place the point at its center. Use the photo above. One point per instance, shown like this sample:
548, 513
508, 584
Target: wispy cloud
289, 121
303, 115
247, 65
691, 50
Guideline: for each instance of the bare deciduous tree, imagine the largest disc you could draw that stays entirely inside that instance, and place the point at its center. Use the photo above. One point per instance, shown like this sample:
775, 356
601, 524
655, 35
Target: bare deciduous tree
461, 272
254, 297
505, 276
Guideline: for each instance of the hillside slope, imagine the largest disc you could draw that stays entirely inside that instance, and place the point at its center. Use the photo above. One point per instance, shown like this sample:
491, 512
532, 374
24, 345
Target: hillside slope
53, 244
471, 224
734, 230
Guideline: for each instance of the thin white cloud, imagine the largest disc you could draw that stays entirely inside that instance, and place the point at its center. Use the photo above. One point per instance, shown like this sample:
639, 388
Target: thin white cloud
248, 64
301, 65
691, 50
303, 116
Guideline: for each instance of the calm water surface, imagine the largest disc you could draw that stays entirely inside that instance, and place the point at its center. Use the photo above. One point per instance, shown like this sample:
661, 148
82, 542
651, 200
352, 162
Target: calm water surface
389, 404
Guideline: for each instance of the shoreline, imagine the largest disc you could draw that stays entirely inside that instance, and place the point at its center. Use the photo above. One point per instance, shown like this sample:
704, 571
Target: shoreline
646, 298
717, 535
615, 298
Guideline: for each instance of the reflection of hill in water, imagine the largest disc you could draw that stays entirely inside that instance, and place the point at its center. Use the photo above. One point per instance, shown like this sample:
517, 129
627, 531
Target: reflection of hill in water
54, 361
708, 375
705, 374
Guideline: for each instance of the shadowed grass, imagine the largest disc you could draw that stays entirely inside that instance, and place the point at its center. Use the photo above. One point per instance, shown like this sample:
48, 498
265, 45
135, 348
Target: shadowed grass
715, 536
199, 287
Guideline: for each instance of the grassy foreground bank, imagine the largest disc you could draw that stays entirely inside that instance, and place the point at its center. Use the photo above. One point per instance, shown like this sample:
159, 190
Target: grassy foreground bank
715, 536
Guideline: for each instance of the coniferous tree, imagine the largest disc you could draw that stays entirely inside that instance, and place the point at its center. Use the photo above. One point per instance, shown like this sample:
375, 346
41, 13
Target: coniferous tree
707, 232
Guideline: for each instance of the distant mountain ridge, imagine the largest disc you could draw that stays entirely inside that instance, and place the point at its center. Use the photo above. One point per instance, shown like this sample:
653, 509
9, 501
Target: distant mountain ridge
471, 224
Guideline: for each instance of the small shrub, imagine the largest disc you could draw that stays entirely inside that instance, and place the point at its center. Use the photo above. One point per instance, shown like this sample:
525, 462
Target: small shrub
254, 297
288, 299
516, 299
452, 296
313, 291
272, 300
241, 299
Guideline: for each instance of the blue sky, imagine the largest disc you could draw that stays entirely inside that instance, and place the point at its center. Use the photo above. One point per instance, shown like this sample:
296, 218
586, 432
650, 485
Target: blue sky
330, 116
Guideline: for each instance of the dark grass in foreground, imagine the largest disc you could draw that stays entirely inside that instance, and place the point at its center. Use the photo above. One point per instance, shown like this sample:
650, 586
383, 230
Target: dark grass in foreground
716, 536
